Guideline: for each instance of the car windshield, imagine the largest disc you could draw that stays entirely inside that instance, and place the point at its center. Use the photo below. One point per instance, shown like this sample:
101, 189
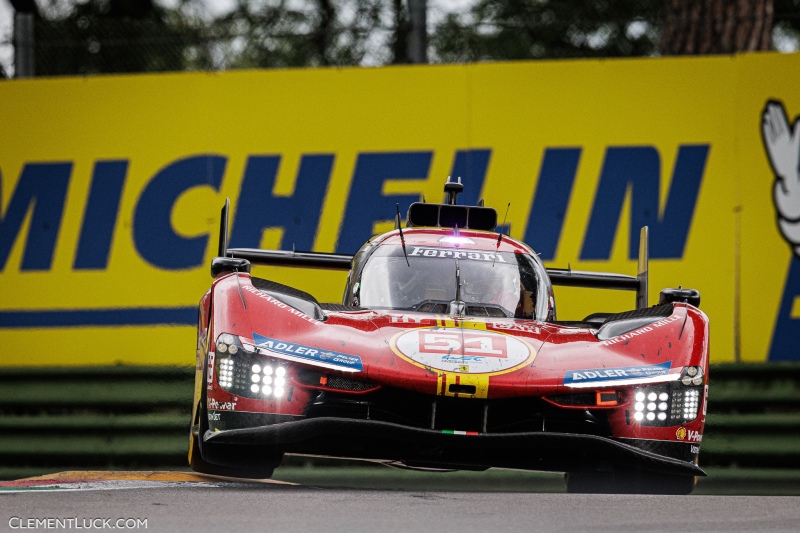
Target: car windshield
491, 283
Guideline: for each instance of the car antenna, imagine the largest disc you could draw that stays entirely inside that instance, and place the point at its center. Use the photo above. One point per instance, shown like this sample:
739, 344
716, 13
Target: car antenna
458, 281
500, 235
460, 308
402, 240
452, 190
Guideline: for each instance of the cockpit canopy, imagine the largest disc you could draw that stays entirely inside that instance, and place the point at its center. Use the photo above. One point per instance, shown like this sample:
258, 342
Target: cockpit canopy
450, 280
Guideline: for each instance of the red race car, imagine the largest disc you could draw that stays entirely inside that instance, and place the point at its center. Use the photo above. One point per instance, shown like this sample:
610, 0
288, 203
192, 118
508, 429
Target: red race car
446, 353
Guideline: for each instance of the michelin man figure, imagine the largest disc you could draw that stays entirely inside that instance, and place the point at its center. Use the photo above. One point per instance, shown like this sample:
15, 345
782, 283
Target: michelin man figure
782, 142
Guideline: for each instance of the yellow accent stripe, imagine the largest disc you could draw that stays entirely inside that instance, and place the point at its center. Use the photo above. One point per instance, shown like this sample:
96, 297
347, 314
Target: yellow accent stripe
446, 323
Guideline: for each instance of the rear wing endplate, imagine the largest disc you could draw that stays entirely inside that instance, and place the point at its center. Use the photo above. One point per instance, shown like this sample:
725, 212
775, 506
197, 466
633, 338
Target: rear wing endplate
607, 280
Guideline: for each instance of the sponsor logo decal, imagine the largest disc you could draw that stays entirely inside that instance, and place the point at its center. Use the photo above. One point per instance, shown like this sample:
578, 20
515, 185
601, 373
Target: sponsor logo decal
309, 353
210, 377
616, 374
640, 331
513, 326
688, 434
462, 351
280, 304
408, 319
221, 406
423, 251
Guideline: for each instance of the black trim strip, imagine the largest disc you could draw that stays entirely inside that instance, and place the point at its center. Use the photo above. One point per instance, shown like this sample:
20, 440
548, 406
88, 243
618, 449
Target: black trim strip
536, 451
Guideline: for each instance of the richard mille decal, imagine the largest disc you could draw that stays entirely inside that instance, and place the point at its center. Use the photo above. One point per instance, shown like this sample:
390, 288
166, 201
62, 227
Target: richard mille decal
640, 331
464, 351
280, 304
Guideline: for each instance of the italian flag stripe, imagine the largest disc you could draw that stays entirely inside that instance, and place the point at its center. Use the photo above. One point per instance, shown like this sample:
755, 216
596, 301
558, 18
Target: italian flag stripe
454, 432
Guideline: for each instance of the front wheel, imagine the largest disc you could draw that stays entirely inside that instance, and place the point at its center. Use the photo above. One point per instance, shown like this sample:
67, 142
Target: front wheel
263, 465
202, 466
628, 482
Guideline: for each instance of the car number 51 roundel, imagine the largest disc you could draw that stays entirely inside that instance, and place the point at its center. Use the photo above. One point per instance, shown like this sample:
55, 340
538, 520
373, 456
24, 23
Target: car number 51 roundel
462, 351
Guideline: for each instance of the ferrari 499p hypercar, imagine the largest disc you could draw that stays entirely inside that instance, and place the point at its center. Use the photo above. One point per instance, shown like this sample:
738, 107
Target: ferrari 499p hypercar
446, 353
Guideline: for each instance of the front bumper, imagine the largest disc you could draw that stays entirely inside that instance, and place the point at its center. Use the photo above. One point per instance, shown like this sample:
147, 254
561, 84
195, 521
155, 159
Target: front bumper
377, 440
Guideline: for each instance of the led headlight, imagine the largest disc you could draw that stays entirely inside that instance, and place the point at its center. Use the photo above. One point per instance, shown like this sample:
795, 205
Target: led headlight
692, 375
270, 376
668, 404
243, 372
225, 372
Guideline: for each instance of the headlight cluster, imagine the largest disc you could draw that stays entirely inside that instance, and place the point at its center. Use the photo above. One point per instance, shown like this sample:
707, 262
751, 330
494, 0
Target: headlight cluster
692, 375
245, 373
651, 405
670, 404
227, 343
268, 380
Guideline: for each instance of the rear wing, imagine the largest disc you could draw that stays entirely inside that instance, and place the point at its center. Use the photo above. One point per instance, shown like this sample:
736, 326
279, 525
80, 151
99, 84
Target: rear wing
329, 261
608, 280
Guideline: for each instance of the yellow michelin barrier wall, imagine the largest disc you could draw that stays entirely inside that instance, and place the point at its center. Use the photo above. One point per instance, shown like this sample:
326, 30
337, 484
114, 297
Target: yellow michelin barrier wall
111, 187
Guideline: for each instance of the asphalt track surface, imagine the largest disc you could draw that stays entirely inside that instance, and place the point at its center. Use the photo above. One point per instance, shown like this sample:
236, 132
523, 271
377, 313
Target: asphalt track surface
187, 503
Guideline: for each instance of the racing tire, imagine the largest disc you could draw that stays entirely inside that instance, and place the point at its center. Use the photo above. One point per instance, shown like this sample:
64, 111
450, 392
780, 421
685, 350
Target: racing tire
200, 465
628, 482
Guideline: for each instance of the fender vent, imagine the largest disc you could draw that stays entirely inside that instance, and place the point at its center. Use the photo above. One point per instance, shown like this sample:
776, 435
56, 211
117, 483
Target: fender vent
584, 398
664, 310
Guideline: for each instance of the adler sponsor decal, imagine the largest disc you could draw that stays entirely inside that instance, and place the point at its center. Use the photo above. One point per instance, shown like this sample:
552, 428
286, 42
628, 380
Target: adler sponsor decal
615, 374
309, 353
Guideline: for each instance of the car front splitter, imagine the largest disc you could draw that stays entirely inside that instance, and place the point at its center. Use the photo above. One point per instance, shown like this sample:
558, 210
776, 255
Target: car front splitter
376, 440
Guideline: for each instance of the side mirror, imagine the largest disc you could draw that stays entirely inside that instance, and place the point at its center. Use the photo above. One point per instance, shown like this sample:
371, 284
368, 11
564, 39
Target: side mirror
223, 265
690, 296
